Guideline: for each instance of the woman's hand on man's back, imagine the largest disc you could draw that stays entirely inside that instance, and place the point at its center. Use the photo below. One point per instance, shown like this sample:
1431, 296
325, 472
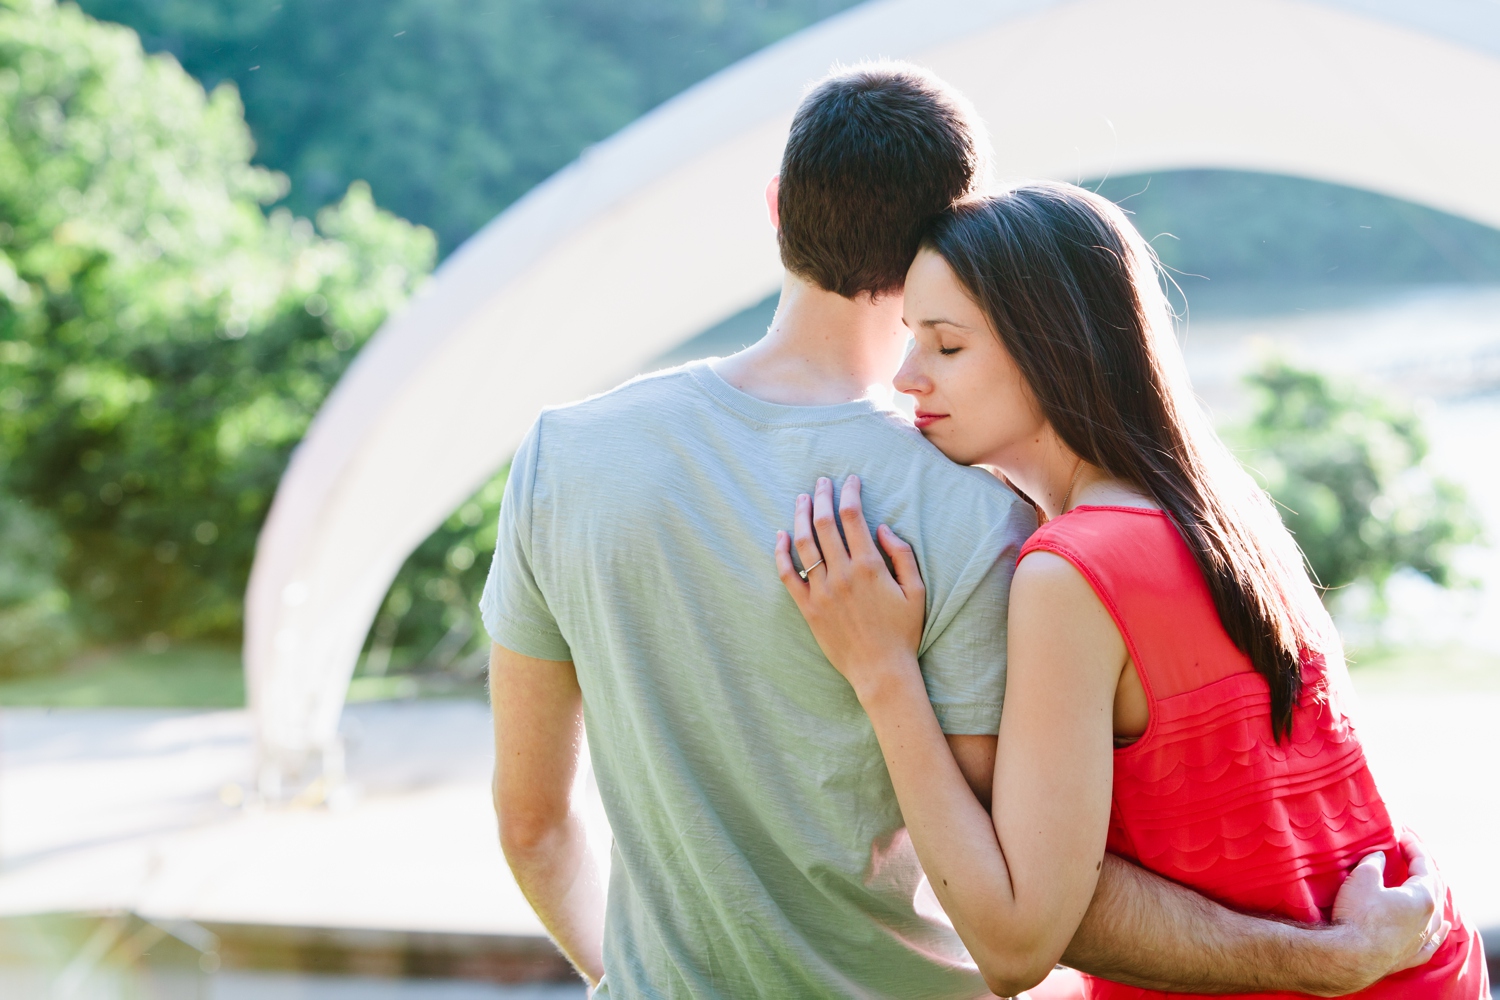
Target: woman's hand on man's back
867, 622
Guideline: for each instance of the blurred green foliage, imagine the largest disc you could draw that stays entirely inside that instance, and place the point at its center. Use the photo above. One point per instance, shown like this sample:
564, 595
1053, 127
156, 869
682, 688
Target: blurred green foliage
189, 675
36, 629
163, 341
450, 109
430, 621
1347, 468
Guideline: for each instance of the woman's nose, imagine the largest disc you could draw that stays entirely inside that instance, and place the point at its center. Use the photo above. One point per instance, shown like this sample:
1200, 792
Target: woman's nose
909, 377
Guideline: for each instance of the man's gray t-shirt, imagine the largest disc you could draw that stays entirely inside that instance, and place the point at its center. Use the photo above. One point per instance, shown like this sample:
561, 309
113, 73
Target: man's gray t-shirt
759, 849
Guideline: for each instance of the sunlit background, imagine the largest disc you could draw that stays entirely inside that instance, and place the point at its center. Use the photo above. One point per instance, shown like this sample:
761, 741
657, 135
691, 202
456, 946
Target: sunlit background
208, 206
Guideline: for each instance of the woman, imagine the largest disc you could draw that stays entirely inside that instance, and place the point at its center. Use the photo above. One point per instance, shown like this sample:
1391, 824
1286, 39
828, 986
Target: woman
1170, 665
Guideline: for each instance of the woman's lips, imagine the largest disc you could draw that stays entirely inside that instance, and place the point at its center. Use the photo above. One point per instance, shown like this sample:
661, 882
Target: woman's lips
925, 420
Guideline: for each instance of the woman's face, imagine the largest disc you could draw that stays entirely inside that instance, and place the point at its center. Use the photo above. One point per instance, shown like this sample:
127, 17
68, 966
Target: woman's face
971, 399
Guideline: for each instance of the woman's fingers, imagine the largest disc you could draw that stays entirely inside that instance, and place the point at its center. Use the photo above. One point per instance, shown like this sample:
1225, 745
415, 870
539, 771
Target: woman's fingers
858, 613
827, 527
816, 536
908, 575
787, 570
856, 531
803, 538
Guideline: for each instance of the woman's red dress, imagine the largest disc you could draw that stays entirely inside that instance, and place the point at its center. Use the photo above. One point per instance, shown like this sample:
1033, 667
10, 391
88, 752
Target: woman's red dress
1206, 796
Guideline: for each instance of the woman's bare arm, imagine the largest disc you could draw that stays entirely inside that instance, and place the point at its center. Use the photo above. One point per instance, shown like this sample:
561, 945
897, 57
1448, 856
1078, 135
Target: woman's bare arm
1015, 887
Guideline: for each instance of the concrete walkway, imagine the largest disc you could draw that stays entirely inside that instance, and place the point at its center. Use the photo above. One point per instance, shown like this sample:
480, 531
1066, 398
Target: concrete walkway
139, 810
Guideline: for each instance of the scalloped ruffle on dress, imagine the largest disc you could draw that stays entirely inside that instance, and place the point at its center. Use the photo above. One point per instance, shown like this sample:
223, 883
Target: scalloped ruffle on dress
1220, 804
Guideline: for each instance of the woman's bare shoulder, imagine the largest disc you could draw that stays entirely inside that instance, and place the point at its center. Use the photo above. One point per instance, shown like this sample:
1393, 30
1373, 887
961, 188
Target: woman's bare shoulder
1044, 574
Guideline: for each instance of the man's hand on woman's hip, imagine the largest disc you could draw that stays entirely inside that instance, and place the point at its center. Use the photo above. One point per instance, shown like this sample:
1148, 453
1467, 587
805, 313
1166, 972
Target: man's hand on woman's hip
1390, 929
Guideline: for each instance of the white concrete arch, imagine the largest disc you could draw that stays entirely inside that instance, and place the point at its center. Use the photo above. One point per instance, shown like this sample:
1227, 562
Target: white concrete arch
660, 231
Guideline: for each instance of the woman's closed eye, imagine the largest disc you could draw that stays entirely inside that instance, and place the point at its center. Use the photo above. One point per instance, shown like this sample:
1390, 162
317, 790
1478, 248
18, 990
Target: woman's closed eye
948, 351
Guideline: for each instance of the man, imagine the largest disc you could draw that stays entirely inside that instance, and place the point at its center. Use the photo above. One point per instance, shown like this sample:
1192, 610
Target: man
758, 848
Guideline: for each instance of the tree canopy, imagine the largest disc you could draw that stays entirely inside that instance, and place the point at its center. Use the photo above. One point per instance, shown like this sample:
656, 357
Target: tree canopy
450, 109
163, 341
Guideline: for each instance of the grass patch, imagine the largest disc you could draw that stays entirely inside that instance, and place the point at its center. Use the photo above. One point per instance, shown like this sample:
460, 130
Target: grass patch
391, 688
403, 687
182, 677
194, 676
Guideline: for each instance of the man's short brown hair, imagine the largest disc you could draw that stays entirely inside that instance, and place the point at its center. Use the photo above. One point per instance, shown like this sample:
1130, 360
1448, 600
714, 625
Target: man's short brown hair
874, 153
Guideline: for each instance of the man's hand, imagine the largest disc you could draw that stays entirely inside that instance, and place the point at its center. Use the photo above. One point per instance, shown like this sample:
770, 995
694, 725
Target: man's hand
1392, 929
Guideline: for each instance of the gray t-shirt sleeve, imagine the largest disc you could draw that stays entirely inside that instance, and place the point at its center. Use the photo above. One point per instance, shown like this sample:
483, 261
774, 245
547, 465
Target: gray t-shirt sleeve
963, 648
513, 607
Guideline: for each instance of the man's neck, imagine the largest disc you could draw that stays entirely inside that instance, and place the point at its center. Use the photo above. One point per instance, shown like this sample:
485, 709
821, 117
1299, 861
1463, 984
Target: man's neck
821, 349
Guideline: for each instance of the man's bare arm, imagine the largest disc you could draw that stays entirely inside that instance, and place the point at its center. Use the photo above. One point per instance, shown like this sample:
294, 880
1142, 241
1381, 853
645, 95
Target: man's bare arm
1146, 931
538, 712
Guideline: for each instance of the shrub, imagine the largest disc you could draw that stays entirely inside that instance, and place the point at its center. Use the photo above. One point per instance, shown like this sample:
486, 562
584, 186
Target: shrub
164, 342
1347, 468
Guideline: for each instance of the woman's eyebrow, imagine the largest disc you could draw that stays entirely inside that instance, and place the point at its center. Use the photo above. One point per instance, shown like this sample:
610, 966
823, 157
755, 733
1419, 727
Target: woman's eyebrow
928, 324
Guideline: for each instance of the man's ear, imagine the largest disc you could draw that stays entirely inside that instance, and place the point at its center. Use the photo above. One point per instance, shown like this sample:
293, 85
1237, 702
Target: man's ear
773, 201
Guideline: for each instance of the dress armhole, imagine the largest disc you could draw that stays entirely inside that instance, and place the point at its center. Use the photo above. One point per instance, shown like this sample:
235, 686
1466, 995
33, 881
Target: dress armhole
1074, 559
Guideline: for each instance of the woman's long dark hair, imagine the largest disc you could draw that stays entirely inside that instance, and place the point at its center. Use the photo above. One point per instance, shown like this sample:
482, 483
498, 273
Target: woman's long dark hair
1074, 293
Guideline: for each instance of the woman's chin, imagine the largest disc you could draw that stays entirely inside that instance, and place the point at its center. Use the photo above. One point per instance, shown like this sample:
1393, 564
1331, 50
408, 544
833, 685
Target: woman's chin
958, 455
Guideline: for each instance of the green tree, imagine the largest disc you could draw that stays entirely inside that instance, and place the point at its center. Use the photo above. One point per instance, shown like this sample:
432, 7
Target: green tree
1347, 468
450, 109
36, 629
163, 342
